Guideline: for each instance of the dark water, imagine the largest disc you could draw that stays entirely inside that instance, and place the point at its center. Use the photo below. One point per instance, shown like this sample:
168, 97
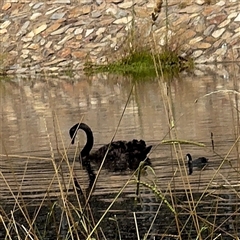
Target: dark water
36, 114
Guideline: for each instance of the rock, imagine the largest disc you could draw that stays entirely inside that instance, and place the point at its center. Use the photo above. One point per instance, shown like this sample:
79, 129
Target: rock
61, 1
96, 14
52, 28
36, 58
35, 15
57, 47
205, 59
38, 5
79, 37
54, 62
123, 20
79, 54
21, 70
23, 29
99, 2
86, 9
64, 52
209, 30
232, 15
195, 40
197, 53
3, 31
203, 45
53, 10
220, 52
224, 23
25, 51
115, 1
40, 29
101, 30
126, 4
218, 33
209, 10
65, 39
74, 44
47, 52
5, 24
237, 19
191, 9
60, 31
88, 32
33, 46
48, 44
221, 3
189, 33
227, 35
28, 37
200, 2
76, 12
6, 6
78, 31
216, 18
57, 16
87, 1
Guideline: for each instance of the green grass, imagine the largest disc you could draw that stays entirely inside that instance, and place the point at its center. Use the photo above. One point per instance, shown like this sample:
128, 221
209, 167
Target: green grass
142, 64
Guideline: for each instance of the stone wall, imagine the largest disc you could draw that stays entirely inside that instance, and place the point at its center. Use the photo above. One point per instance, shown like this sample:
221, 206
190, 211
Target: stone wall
59, 34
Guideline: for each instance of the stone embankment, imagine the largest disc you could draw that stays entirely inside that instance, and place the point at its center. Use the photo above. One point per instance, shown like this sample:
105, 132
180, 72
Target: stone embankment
64, 34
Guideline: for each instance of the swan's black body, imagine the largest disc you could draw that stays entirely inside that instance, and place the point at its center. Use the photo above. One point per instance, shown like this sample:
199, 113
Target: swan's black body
200, 163
122, 155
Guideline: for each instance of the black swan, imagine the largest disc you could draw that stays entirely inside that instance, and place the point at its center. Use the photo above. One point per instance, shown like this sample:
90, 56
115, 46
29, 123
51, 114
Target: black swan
122, 155
200, 163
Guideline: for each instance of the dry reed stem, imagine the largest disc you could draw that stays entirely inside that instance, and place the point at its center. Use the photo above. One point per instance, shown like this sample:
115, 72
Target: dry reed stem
5, 227
15, 225
119, 122
66, 211
218, 91
136, 225
181, 141
24, 156
109, 207
176, 146
120, 191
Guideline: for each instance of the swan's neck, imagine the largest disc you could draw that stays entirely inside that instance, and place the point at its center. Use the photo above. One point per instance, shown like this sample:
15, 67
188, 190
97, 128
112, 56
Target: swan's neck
89, 144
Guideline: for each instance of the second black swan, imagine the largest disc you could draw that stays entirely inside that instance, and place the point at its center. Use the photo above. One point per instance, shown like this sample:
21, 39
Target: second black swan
122, 155
200, 163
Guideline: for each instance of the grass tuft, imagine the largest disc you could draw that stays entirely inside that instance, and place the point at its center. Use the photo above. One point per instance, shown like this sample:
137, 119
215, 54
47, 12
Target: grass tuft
140, 64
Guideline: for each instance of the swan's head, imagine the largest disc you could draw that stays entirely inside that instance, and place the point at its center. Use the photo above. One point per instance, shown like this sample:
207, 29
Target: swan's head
73, 132
189, 157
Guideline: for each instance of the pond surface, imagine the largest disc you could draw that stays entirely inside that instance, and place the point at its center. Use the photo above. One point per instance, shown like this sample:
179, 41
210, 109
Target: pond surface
37, 113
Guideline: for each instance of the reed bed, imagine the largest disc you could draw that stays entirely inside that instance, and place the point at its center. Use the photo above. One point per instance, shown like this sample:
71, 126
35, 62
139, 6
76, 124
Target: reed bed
39, 199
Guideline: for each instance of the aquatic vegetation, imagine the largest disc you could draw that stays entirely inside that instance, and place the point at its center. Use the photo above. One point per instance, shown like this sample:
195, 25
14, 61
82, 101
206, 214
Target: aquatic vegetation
144, 64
